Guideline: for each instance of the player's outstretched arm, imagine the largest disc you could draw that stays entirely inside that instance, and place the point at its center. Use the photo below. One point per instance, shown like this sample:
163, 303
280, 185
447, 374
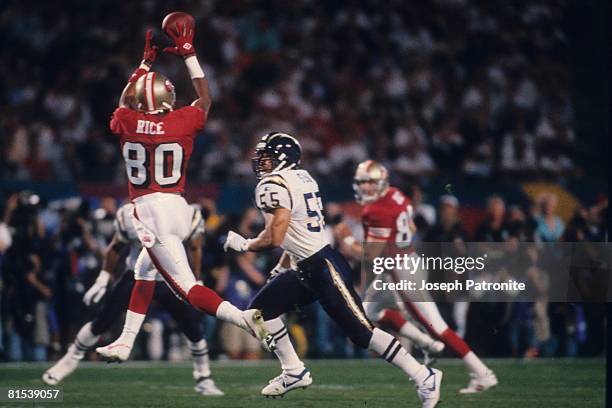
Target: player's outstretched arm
128, 96
273, 234
183, 46
200, 85
277, 222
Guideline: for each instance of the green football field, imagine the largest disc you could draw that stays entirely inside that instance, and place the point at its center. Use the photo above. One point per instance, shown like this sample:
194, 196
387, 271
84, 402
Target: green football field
337, 383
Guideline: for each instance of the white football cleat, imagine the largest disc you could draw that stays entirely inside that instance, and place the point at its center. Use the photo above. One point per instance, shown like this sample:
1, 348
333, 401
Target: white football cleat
206, 386
116, 352
253, 322
62, 369
279, 386
480, 383
429, 389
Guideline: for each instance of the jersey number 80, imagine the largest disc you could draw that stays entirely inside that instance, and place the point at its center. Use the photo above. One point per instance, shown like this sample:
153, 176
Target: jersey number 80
167, 164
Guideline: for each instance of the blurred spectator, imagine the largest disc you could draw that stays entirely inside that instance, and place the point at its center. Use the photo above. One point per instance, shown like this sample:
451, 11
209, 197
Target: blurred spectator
27, 289
494, 228
424, 213
549, 227
448, 228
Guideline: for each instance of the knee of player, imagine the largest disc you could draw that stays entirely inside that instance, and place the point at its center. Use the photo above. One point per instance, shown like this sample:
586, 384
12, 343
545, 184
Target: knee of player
193, 332
361, 338
99, 327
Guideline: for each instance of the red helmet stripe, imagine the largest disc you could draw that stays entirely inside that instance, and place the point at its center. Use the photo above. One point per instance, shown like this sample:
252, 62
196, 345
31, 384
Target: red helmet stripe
153, 90
149, 91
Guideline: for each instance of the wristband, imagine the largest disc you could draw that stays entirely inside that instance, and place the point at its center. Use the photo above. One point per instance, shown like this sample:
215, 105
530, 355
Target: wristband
140, 71
194, 68
245, 246
349, 240
280, 269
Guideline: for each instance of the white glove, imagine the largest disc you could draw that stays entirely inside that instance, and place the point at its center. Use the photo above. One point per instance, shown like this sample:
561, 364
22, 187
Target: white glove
237, 242
98, 289
278, 269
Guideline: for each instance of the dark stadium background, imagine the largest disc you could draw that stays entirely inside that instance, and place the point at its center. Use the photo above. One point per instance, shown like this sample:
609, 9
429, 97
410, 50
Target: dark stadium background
446, 93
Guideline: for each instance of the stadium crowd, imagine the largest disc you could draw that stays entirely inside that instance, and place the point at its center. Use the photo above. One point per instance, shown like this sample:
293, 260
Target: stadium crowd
478, 88
50, 253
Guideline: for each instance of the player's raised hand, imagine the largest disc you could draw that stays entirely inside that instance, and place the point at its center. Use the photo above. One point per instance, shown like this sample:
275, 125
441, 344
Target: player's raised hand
183, 40
97, 290
150, 51
236, 242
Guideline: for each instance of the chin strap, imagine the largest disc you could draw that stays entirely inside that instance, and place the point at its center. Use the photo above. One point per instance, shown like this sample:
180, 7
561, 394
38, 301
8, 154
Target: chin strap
280, 166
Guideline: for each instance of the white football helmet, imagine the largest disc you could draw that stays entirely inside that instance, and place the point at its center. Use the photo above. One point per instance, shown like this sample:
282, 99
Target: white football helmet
371, 181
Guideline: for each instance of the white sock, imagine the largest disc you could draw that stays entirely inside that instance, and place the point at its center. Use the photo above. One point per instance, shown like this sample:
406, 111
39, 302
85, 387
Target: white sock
155, 341
391, 350
199, 355
229, 313
131, 327
284, 349
410, 331
460, 311
474, 364
84, 340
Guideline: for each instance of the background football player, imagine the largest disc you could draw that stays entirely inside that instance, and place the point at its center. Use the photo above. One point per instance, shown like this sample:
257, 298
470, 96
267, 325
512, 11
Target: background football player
387, 222
291, 203
116, 301
156, 142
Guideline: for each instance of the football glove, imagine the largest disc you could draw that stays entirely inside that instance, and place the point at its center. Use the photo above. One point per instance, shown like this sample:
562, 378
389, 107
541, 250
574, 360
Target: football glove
148, 57
150, 52
278, 269
237, 242
183, 42
98, 289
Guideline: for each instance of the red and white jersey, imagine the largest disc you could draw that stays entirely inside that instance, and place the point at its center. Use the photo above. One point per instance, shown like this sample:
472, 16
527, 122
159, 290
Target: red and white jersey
388, 218
156, 148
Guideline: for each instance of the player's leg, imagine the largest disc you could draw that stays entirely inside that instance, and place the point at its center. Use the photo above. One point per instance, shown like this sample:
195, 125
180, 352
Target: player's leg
394, 319
140, 298
427, 314
164, 244
188, 320
482, 377
280, 295
114, 304
377, 305
328, 275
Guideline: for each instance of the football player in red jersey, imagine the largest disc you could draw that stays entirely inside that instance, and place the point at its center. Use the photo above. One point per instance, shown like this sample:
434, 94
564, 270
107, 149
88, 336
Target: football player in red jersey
156, 142
387, 220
